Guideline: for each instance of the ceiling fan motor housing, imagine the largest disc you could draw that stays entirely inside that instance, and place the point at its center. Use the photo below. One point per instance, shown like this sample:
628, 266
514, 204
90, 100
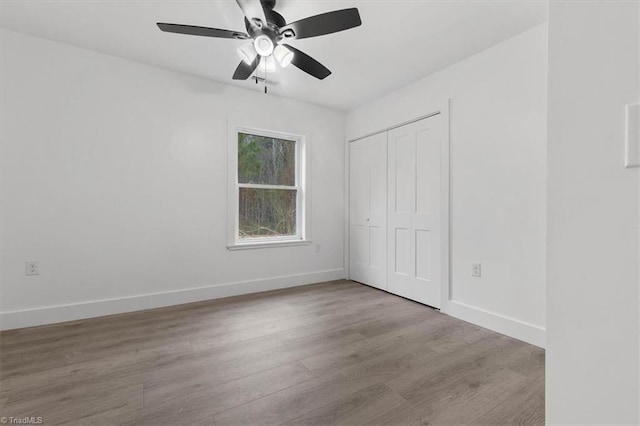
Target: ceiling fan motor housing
271, 28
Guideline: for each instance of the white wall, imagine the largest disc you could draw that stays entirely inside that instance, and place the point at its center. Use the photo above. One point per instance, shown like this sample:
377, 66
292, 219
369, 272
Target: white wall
114, 179
498, 148
593, 256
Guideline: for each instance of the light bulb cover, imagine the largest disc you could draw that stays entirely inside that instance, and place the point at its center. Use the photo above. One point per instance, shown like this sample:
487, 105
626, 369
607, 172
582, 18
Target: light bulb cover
283, 55
263, 45
247, 53
267, 64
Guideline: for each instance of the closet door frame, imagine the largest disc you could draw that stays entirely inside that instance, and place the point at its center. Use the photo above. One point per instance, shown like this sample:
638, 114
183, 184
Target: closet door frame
443, 109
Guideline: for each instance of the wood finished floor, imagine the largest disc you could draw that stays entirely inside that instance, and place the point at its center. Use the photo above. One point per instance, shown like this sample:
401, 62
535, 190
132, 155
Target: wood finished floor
324, 354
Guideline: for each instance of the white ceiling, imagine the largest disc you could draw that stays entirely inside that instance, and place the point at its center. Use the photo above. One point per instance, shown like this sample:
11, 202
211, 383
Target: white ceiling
399, 41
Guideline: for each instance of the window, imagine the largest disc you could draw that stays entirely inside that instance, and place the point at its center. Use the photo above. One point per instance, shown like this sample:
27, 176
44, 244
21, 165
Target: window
269, 191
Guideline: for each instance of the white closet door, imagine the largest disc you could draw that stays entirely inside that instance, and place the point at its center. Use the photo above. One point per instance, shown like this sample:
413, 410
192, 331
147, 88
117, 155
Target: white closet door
415, 185
368, 210
358, 211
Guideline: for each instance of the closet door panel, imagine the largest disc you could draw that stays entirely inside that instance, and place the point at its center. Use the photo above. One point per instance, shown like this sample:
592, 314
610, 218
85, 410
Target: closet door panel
404, 162
377, 217
415, 187
368, 210
401, 178
427, 214
358, 208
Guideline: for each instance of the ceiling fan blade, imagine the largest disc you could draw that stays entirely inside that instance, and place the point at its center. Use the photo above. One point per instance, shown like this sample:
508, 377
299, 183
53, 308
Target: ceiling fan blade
244, 71
326, 23
307, 64
201, 31
252, 9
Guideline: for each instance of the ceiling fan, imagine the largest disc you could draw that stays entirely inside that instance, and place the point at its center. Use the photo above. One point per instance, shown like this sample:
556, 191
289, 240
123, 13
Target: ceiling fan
269, 33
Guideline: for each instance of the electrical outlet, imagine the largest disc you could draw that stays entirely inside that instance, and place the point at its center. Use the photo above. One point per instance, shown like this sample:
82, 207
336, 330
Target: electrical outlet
476, 270
32, 267
317, 248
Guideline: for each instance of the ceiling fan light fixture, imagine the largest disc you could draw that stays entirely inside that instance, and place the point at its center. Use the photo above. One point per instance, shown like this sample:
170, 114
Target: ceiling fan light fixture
247, 53
263, 45
267, 64
283, 55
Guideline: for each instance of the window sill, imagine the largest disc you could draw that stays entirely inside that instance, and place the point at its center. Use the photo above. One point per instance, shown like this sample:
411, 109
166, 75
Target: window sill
268, 244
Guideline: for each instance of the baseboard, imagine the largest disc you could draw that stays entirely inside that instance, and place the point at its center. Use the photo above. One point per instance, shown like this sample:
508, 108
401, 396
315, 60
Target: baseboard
511, 327
98, 308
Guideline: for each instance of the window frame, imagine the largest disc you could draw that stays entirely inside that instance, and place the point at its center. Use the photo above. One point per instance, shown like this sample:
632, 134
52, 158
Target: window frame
301, 187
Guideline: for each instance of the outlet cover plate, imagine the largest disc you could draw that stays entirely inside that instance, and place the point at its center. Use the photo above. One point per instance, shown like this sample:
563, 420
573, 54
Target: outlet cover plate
32, 267
476, 270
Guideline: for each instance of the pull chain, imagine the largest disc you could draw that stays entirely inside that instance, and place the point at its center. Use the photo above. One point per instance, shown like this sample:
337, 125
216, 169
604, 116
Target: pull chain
265, 74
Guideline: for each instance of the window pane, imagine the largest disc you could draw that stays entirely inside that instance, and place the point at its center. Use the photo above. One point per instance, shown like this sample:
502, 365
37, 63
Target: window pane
267, 212
266, 161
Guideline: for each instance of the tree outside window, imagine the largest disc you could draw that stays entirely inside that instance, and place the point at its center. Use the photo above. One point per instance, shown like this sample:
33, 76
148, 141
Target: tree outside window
268, 188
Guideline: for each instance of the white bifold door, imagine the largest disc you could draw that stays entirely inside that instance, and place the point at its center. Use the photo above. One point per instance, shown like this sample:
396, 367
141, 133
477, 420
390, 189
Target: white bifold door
416, 153
368, 210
